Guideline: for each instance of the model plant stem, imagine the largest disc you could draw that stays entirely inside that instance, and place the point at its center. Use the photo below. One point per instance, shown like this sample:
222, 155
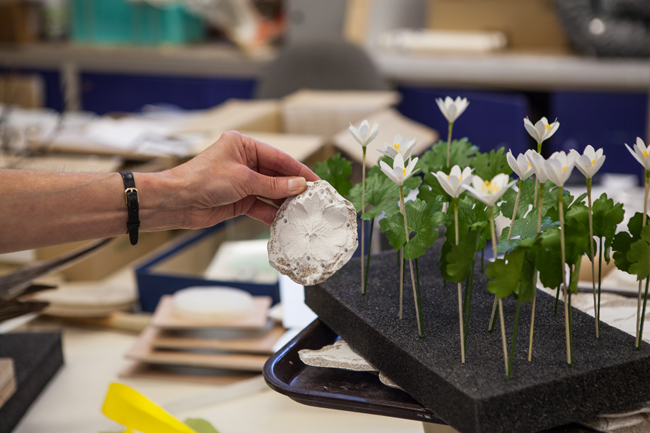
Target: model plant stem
416, 294
644, 219
451, 126
593, 256
460, 290
500, 302
363, 209
564, 286
520, 184
532, 314
365, 279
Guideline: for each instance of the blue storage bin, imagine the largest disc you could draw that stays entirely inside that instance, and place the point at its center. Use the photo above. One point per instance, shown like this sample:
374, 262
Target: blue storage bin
492, 120
167, 271
129, 22
602, 119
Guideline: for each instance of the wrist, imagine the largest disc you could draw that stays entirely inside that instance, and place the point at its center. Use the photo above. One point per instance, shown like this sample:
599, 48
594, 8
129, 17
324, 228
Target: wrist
160, 208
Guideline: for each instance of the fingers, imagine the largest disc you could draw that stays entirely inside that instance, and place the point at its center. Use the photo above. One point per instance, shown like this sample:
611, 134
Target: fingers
274, 187
271, 161
262, 212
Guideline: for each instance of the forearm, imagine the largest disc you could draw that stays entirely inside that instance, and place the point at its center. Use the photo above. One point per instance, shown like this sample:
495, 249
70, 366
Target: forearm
40, 208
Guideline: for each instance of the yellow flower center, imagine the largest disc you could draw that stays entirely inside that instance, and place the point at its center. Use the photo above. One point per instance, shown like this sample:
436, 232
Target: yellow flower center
547, 127
564, 169
645, 153
461, 178
528, 162
491, 188
593, 162
396, 146
404, 171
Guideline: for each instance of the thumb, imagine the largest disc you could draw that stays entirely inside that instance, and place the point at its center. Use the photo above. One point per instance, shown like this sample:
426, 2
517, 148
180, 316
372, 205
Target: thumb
276, 187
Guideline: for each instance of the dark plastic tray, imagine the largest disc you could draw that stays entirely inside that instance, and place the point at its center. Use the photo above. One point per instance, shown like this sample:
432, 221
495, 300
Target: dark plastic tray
331, 388
352, 391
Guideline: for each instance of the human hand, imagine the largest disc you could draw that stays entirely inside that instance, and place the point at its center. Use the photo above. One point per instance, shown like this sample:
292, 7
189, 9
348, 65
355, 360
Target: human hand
225, 180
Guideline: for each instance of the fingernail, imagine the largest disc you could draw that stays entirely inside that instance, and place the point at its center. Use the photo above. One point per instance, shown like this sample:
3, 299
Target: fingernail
297, 184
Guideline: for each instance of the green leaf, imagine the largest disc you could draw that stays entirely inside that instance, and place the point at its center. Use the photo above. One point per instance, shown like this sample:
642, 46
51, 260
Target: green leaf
548, 261
382, 195
606, 217
422, 218
200, 425
435, 159
472, 214
624, 240
488, 165
523, 228
639, 255
431, 189
507, 205
336, 171
576, 234
504, 274
460, 259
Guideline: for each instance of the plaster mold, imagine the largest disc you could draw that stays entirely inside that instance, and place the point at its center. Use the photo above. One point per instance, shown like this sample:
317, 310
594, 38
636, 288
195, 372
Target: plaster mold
313, 235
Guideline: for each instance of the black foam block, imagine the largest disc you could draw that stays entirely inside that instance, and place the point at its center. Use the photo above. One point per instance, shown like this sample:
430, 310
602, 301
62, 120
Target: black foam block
607, 375
37, 357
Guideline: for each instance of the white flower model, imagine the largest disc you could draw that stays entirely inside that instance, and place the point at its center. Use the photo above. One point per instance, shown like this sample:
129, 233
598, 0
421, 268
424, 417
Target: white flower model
589, 162
490, 191
521, 165
364, 134
313, 235
398, 173
453, 182
452, 109
541, 130
641, 153
400, 145
559, 167
539, 165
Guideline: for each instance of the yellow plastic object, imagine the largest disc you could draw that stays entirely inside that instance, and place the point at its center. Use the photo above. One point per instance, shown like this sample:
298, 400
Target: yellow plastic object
133, 410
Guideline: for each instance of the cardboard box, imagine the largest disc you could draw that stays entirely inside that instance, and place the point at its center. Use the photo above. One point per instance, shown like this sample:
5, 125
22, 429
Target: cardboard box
327, 112
25, 91
526, 23
182, 263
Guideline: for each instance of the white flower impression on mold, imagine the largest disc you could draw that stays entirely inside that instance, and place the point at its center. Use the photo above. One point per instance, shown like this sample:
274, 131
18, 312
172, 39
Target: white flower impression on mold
398, 173
313, 235
364, 135
521, 165
452, 109
539, 165
559, 167
400, 145
542, 130
453, 182
490, 191
641, 153
590, 161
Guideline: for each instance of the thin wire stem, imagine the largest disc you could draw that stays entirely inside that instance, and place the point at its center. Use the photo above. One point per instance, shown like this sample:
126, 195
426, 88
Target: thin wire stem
592, 254
503, 327
514, 339
363, 208
514, 212
365, 280
460, 289
565, 291
451, 126
418, 303
644, 220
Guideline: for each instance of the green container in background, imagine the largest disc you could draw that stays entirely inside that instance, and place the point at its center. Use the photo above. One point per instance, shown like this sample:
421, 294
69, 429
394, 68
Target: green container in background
111, 22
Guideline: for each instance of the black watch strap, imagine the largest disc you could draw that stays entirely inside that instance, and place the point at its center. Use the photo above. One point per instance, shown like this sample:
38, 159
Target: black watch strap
133, 206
